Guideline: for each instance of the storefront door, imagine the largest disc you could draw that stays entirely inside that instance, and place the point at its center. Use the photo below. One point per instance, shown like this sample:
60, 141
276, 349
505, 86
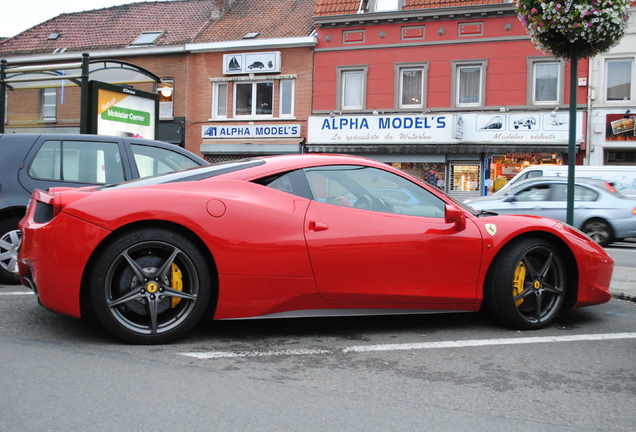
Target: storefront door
465, 179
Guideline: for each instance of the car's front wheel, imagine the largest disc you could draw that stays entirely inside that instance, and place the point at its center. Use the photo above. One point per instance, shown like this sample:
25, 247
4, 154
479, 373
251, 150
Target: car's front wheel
525, 288
150, 286
10, 238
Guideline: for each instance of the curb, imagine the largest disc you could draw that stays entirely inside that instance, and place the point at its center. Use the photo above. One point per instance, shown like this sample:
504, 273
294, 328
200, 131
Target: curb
626, 297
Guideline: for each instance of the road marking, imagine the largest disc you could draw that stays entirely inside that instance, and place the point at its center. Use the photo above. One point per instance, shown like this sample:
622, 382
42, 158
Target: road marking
412, 346
16, 293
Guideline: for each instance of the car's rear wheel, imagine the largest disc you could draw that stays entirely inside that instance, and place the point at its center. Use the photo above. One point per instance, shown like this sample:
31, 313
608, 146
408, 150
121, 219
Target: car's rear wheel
599, 231
525, 288
150, 286
10, 238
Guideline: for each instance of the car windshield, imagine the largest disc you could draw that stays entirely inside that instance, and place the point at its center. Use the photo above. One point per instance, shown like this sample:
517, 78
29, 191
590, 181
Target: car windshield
190, 174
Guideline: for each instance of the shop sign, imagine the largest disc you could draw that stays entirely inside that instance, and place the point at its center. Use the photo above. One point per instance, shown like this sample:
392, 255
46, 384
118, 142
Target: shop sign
528, 127
495, 128
396, 129
251, 131
259, 62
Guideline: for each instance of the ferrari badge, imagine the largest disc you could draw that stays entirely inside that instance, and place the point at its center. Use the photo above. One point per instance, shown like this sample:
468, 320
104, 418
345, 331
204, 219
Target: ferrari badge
491, 228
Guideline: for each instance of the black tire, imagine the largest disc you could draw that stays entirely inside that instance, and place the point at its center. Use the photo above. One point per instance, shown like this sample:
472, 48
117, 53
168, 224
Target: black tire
526, 285
599, 231
134, 286
10, 238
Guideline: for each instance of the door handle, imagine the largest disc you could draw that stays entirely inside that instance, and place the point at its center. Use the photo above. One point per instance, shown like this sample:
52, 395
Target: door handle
317, 226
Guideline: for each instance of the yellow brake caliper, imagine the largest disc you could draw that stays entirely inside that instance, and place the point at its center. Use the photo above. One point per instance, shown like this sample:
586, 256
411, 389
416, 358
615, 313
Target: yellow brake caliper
517, 282
176, 283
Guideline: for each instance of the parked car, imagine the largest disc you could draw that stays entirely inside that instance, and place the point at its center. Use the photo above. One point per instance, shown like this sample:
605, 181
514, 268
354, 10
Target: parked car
30, 161
600, 211
295, 236
622, 177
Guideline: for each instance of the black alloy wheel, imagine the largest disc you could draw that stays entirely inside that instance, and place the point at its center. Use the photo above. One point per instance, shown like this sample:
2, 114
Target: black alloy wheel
525, 288
150, 286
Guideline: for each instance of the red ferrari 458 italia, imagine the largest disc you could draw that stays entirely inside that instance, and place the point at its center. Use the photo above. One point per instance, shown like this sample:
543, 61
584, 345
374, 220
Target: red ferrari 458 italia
295, 236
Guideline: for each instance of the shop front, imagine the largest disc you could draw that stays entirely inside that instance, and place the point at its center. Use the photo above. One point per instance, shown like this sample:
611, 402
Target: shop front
463, 154
613, 137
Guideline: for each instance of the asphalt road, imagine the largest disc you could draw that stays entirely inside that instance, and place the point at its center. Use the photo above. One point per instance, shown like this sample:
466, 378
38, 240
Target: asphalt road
451, 372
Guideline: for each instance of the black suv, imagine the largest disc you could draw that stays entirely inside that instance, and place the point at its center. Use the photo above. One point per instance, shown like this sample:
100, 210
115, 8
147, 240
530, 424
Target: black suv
41, 161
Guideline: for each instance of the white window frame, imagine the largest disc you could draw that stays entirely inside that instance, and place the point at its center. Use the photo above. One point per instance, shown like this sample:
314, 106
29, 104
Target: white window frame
456, 67
400, 68
342, 73
48, 111
532, 64
632, 82
253, 113
386, 5
284, 93
219, 100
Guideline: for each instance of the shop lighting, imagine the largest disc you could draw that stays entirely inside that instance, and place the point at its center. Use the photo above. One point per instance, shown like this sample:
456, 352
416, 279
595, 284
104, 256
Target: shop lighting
332, 114
503, 109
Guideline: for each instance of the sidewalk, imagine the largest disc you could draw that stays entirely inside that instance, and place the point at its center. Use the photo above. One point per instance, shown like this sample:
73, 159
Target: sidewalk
623, 285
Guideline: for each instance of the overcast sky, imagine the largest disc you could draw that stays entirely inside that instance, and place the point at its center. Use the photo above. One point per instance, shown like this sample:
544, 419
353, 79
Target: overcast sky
19, 15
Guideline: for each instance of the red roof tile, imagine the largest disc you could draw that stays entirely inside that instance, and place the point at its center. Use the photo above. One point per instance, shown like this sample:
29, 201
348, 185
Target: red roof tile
269, 18
182, 21
343, 7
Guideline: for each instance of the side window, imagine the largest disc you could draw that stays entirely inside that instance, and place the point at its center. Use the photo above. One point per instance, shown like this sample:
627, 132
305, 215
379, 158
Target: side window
373, 189
581, 193
293, 182
78, 161
533, 193
155, 160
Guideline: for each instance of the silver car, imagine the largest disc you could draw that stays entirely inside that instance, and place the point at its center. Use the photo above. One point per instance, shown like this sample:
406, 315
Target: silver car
600, 211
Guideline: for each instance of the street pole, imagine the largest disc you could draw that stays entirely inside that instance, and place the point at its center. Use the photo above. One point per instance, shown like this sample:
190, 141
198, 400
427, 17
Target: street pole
572, 139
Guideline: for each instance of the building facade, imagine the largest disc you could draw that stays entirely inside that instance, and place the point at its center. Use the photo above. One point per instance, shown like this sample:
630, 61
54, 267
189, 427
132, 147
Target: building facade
451, 91
235, 75
612, 135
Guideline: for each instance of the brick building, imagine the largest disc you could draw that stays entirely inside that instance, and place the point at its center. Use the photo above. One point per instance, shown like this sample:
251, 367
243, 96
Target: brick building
206, 105
452, 91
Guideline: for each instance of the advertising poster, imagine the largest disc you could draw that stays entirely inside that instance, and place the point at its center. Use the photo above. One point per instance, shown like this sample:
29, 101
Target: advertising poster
620, 127
123, 111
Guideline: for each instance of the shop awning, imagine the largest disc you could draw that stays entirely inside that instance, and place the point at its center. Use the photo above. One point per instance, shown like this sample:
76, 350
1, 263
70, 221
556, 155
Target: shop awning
436, 148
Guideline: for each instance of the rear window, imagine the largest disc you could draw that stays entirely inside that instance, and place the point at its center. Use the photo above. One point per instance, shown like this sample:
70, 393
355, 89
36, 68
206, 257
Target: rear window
192, 174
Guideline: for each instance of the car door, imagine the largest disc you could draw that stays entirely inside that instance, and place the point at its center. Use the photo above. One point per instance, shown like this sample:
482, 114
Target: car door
365, 245
534, 199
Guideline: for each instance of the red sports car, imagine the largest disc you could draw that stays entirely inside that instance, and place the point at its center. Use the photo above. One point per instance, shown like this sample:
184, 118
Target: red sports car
295, 236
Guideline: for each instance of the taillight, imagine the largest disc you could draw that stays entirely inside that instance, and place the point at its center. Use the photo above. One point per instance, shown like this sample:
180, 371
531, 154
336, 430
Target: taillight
634, 210
50, 204
611, 188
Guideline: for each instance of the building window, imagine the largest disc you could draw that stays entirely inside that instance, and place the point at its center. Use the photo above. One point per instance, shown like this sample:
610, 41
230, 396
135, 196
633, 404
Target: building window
469, 80
546, 83
48, 104
411, 85
619, 74
253, 99
386, 5
147, 38
219, 107
287, 98
352, 87
620, 157
166, 98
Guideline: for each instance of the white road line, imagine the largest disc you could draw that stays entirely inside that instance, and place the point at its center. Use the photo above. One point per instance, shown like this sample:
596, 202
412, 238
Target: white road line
14, 293
413, 346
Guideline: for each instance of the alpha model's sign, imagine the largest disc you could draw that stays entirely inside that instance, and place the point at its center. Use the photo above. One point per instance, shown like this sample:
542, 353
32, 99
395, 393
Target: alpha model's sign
251, 131
493, 128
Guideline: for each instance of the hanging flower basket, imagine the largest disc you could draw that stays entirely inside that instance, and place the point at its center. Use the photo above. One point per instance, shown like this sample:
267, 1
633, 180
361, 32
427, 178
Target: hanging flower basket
593, 25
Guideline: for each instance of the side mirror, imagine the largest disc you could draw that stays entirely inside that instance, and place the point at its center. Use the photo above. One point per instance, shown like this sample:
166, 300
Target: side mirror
511, 198
455, 215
